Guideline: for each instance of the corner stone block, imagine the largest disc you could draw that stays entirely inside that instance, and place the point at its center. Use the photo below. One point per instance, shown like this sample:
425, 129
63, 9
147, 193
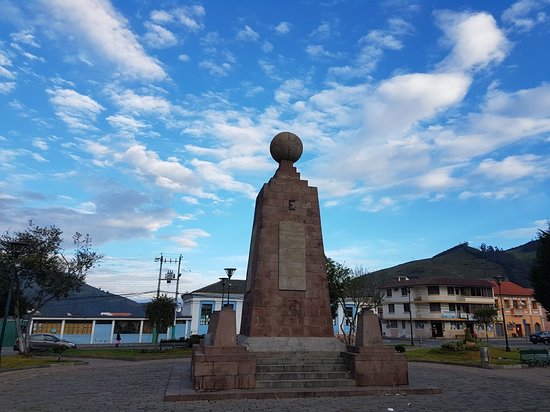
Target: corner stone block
203, 368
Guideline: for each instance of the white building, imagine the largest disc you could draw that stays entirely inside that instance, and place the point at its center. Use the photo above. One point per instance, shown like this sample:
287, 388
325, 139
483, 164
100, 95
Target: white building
435, 307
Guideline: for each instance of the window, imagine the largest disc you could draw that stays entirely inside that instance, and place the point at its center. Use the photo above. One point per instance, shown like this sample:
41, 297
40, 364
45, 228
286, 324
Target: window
435, 307
388, 293
404, 291
452, 307
127, 326
206, 311
419, 324
403, 324
535, 306
391, 308
457, 325
406, 307
77, 328
392, 324
450, 290
348, 314
515, 303
433, 290
506, 304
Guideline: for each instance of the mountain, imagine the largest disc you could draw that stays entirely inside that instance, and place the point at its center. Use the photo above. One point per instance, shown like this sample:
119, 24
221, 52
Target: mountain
92, 302
466, 262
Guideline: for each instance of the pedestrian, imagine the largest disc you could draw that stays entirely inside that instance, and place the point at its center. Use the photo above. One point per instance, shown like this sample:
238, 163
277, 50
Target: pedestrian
118, 339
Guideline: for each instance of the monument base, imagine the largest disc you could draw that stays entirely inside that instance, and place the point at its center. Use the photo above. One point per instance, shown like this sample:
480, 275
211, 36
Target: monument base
377, 365
291, 344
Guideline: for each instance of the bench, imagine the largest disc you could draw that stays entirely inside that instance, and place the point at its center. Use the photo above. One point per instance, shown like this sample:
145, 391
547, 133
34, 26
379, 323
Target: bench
174, 343
535, 357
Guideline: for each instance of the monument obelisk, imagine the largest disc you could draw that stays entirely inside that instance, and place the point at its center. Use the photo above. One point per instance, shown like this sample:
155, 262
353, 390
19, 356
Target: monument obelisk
286, 282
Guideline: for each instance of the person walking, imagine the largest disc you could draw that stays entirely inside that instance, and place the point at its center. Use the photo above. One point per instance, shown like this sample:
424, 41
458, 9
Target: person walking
118, 339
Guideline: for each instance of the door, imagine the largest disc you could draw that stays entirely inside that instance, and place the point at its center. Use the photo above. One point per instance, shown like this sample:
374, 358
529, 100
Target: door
519, 333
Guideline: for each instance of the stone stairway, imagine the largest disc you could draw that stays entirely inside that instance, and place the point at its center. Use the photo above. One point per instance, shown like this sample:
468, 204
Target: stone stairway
301, 370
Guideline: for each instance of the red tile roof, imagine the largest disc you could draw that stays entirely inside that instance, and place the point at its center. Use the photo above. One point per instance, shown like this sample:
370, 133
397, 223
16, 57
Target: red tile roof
511, 289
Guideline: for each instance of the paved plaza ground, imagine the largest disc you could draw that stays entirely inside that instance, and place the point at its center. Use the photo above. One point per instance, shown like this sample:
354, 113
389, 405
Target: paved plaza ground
112, 385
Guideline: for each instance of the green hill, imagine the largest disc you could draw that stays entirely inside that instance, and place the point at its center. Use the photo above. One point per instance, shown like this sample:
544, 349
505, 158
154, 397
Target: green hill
466, 262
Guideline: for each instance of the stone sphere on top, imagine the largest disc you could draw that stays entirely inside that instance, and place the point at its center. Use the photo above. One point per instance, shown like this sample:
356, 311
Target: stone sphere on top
286, 146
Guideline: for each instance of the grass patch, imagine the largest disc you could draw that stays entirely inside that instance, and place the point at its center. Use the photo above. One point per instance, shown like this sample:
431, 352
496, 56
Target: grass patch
19, 362
497, 356
128, 353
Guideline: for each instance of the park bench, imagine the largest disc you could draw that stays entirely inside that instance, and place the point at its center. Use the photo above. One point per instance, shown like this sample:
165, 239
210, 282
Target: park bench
174, 343
534, 357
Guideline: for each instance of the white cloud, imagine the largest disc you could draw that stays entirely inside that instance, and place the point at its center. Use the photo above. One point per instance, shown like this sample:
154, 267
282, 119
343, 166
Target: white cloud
158, 37
98, 24
7, 87
369, 204
75, 109
247, 34
510, 168
128, 101
524, 15
40, 144
318, 51
25, 37
184, 58
283, 27
188, 237
126, 123
475, 38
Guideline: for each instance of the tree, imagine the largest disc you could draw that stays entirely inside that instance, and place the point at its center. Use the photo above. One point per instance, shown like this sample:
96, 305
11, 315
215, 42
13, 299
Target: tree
355, 289
45, 272
540, 270
160, 312
486, 316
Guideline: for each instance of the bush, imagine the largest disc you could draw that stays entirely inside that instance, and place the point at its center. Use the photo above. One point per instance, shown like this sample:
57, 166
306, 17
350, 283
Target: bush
460, 346
194, 339
400, 348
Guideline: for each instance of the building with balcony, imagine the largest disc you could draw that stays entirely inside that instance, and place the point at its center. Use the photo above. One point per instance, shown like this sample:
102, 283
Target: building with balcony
435, 307
522, 313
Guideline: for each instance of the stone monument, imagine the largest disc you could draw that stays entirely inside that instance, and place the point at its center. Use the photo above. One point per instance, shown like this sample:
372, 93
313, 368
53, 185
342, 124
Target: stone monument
286, 283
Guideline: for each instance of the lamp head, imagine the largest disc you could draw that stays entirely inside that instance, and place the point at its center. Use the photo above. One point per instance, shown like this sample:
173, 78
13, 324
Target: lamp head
229, 272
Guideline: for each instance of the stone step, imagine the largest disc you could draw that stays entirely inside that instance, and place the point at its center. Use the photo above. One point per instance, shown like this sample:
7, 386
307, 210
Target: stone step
305, 383
281, 376
300, 360
312, 367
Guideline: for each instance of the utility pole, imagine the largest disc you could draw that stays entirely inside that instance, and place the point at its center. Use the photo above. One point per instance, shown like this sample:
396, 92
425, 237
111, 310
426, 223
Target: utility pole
178, 274
161, 259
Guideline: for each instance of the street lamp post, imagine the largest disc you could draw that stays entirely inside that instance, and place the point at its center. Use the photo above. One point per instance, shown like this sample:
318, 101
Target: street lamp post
498, 279
224, 281
410, 316
229, 272
15, 250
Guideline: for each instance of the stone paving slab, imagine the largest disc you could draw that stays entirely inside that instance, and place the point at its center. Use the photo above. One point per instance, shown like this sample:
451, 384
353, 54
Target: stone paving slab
129, 386
180, 388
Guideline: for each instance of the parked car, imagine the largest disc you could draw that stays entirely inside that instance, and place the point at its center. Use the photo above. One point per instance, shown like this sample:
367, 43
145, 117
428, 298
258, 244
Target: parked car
540, 337
45, 341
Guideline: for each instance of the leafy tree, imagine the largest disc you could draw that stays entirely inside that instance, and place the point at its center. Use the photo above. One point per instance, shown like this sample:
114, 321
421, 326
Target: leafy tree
486, 316
44, 270
160, 312
540, 271
356, 288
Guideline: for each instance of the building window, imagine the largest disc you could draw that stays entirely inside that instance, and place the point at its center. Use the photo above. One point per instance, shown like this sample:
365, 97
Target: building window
406, 307
391, 308
404, 291
534, 304
388, 293
393, 324
452, 307
435, 307
450, 290
419, 324
403, 324
457, 325
433, 290
348, 314
506, 304
515, 303
206, 311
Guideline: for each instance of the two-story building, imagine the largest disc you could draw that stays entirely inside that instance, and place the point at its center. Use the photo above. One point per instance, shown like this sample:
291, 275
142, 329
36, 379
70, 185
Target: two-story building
434, 307
522, 313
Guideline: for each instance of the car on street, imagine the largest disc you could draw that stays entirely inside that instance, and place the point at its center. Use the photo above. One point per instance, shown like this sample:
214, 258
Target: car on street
45, 341
540, 337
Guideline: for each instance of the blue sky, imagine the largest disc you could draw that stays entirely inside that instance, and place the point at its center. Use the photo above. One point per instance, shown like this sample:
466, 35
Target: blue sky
147, 125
